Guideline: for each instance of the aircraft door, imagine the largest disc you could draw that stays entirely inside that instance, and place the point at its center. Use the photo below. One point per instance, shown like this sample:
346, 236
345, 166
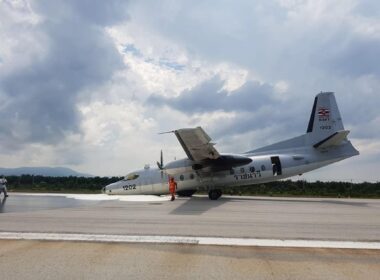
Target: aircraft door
276, 166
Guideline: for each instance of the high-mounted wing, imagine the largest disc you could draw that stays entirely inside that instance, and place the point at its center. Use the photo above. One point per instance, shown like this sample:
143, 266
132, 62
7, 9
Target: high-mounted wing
196, 144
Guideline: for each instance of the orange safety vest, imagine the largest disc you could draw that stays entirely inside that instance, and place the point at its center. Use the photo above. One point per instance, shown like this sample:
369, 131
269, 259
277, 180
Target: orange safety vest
172, 186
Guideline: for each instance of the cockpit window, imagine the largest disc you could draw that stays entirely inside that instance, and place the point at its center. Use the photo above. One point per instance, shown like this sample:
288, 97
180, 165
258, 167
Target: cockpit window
131, 176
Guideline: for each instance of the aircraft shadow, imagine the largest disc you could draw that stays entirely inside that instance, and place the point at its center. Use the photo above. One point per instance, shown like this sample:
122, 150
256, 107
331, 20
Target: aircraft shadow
197, 206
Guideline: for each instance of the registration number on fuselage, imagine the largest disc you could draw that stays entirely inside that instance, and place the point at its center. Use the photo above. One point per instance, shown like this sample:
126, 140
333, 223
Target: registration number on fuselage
129, 187
247, 176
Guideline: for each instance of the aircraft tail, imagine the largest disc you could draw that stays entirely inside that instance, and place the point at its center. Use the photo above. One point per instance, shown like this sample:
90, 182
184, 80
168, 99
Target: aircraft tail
325, 119
325, 128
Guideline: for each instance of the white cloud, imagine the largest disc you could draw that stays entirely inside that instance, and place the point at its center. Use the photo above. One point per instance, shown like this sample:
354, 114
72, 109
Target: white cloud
292, 48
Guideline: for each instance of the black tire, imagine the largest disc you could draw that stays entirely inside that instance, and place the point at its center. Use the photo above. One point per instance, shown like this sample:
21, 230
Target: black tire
214, 194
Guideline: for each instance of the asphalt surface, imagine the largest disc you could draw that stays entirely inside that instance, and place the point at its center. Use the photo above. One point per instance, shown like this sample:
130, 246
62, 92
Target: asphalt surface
75, 260
257, 217
239, 217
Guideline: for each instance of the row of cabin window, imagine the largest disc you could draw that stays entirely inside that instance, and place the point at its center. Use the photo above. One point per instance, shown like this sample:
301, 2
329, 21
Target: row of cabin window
251, 169
182, 177
232, 171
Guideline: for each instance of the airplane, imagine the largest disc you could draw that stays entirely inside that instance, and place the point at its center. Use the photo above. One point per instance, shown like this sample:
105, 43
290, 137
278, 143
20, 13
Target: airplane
325, 142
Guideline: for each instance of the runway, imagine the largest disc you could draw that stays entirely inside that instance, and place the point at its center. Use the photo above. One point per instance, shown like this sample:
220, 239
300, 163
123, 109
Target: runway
78, 260
149, 237
228, 217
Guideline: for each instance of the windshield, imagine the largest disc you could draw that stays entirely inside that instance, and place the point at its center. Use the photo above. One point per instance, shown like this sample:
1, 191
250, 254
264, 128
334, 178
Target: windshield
131, 176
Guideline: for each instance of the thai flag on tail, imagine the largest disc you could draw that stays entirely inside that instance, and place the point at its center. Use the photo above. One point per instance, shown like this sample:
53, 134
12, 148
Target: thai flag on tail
323, 112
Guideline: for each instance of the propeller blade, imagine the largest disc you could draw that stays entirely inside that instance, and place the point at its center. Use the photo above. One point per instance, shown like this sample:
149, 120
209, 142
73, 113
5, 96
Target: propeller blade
161, 163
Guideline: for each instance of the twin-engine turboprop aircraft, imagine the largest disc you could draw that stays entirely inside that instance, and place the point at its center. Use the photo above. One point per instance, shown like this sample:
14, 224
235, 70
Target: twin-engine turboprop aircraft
324, 142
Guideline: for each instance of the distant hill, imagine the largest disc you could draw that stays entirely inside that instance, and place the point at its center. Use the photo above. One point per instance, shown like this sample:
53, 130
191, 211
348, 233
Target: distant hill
44, 171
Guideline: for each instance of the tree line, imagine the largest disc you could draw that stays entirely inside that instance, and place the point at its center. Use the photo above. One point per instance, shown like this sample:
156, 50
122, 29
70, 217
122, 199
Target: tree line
316, 189
31, 183
37, 183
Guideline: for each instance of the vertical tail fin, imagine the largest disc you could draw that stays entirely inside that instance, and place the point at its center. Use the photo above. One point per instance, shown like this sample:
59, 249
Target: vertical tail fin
325, 132
325, 118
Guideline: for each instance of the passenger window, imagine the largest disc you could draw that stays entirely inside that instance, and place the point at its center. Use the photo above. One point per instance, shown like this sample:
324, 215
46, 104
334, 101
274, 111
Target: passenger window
242, 170
263, 167
252, 169
191, 176
181, 177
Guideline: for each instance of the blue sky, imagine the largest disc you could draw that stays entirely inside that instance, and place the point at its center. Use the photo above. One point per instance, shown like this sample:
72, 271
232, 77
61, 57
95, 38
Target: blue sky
89, 84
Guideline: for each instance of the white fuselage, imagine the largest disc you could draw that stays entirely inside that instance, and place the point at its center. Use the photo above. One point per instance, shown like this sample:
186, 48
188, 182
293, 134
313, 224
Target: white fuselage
262, 169
324, 142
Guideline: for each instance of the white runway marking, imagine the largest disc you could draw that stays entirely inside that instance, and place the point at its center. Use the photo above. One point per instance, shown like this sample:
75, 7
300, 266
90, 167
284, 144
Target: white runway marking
189, 240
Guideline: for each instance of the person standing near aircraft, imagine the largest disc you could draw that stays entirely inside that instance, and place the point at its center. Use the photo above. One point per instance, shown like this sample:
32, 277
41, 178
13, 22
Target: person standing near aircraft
172, 187
3, 186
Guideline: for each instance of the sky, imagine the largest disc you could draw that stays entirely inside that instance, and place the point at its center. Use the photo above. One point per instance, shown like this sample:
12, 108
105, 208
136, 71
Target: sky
89, 84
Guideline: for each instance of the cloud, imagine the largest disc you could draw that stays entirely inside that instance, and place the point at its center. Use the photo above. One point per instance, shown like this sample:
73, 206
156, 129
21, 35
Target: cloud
357, 57
86, 74
253, 112
77, 55
210, 96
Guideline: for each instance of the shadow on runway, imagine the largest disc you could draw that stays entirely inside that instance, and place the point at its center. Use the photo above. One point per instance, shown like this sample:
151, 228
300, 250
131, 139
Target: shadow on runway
197, 206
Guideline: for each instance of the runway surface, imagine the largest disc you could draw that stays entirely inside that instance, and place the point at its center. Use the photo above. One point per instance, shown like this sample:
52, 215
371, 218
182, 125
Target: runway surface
76, 260
237, 217
249, 222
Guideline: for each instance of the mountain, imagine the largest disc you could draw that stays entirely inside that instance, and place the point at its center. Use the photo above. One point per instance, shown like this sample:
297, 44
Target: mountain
44, 171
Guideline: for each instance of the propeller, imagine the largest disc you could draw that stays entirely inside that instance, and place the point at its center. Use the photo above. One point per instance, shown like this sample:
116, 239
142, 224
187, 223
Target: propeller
161, 163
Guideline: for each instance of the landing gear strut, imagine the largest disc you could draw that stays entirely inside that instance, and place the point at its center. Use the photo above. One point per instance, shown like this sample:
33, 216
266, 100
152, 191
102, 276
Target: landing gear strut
214, 194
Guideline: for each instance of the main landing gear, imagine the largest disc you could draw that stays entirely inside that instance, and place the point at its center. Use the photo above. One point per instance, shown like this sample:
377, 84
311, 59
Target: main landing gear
214, 194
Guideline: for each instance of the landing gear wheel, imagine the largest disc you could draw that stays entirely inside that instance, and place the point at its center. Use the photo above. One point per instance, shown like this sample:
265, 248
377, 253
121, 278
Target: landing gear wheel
214, 194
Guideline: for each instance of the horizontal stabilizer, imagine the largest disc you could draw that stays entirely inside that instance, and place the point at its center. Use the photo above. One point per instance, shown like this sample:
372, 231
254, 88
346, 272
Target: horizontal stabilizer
334, 139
